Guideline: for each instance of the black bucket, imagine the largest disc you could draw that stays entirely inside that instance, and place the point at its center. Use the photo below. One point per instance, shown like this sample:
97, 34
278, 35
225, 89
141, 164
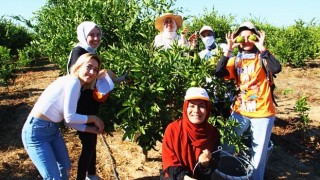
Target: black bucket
237, 167
234, 168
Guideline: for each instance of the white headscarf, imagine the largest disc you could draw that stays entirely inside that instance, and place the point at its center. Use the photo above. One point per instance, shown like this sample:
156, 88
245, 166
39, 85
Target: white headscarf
82, 33
166, 38
83, 30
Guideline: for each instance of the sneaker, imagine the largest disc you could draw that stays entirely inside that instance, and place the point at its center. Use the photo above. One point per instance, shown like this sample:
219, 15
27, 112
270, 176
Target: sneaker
93, 177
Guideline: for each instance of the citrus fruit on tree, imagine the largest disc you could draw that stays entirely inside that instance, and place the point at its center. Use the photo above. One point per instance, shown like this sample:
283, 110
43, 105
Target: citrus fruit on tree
193, 84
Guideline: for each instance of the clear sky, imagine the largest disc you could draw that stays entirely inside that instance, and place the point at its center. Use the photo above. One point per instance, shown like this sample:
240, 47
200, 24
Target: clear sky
276, 12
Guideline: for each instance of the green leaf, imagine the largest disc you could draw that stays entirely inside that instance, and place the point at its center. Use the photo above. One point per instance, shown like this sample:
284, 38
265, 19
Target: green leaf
123, 111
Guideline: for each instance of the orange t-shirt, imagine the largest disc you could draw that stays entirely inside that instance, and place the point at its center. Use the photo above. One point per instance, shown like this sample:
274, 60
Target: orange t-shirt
254, 98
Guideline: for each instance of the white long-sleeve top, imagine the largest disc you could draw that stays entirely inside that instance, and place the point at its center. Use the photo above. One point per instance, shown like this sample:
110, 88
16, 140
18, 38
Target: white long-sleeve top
160, 40
104, 86
59, 101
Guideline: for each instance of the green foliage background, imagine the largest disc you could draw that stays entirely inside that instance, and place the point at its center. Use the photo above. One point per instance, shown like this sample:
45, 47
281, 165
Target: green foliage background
13, 38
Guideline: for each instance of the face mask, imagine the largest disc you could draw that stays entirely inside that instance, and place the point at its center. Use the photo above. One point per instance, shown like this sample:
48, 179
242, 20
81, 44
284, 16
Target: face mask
207, 41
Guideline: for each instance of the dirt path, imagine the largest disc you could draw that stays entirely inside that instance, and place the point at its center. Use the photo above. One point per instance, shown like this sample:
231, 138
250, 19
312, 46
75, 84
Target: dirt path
292, 158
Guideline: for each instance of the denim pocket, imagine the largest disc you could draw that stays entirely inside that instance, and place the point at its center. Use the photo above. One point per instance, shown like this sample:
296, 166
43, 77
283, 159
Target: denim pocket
40, 124
42, 130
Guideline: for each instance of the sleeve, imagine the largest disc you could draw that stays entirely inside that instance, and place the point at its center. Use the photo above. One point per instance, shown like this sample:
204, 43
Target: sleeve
224, 47
79, 127
171, 164
71, 96
272, 63
225, 68
177, 172
157, 41
204, 170
182, 41
169, 157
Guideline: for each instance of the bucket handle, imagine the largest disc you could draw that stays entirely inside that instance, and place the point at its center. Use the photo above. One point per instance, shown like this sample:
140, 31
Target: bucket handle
219, 149
222, 174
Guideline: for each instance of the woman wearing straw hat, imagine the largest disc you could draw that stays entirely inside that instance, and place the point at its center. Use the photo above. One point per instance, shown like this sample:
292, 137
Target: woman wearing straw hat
253, 105
168, 24
189, 142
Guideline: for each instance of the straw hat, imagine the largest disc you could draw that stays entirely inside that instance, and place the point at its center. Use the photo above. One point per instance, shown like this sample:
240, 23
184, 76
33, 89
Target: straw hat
196, 93
246, 26
159, 20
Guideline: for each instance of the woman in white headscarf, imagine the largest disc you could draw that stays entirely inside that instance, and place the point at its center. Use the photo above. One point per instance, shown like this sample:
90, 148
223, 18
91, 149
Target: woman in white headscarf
168, 24
89, 35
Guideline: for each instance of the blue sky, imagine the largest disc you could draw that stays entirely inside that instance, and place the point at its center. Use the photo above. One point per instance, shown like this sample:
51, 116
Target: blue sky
276, 12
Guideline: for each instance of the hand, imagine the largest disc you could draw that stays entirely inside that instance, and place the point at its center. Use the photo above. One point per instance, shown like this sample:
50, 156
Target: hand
111, 74
184, 31
231, 43
92, 129
125, 75
102, 73
98, 123
193, 40
205, 157
122, 78
260, 41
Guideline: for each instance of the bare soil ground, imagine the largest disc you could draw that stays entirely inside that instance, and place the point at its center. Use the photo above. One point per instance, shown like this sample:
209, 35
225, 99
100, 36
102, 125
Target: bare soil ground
296, 154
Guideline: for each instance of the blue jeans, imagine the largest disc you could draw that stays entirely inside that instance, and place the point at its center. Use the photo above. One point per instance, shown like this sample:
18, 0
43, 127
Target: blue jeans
261, 129
46, 148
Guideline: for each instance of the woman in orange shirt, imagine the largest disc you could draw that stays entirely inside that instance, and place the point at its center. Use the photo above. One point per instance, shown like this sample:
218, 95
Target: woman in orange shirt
253, 104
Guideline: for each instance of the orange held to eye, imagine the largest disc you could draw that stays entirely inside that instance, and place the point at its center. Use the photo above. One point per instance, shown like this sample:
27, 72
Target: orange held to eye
252, 37
240, 39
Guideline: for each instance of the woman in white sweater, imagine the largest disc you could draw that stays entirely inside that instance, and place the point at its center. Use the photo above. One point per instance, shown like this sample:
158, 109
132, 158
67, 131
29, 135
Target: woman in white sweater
40, 134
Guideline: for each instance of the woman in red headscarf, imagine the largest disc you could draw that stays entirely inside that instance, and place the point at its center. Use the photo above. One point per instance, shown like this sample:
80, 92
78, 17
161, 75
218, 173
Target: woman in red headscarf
191, 140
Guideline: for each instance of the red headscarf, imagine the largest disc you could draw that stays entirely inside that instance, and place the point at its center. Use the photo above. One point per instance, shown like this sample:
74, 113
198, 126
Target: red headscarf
183, 141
